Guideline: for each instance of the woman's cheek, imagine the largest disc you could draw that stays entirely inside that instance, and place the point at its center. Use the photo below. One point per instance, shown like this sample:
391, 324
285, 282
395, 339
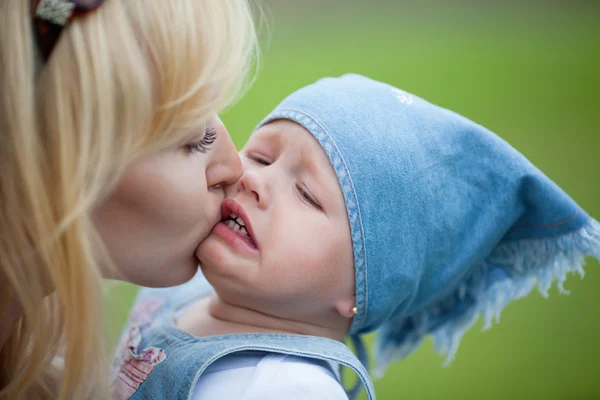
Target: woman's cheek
179, 196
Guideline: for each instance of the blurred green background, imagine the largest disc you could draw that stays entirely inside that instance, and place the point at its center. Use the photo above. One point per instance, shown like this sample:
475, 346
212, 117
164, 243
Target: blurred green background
527, 71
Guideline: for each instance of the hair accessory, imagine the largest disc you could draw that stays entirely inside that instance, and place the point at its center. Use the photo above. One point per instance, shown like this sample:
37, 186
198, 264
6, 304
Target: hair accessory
51, 16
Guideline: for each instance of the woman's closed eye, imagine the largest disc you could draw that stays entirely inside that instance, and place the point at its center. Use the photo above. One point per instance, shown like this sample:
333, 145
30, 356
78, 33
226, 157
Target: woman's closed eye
204, 144
308, 197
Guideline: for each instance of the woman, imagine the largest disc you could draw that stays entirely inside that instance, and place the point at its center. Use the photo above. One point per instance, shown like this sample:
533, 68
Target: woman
112, 162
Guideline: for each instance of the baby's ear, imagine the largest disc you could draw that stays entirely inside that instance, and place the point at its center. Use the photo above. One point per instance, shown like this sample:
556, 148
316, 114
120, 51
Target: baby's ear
346, 307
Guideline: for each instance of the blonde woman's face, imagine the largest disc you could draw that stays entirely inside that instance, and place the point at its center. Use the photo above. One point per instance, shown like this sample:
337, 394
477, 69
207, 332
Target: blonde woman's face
165, 205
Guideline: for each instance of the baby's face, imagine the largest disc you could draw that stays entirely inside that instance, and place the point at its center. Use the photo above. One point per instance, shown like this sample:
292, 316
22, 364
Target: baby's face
284, 247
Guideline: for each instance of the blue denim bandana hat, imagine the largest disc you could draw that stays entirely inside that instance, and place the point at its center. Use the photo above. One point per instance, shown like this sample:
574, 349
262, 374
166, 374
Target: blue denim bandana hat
448, 221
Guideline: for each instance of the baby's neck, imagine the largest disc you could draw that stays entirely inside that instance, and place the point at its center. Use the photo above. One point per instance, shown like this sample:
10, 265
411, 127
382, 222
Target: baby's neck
211, 316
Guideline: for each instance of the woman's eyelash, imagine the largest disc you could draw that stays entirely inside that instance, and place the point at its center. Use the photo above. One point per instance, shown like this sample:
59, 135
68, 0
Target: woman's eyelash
203, 145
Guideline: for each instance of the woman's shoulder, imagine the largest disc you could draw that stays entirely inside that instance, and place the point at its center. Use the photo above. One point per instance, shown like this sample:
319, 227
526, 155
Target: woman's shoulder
270, 376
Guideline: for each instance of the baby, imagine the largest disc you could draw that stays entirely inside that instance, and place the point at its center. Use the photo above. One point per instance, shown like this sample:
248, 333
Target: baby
361, 208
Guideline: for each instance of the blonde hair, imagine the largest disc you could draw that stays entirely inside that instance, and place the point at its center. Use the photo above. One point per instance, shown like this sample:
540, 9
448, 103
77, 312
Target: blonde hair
127, 79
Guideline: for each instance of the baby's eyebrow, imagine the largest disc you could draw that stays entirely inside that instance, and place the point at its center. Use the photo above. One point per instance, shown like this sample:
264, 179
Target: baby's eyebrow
272, 139
309, 162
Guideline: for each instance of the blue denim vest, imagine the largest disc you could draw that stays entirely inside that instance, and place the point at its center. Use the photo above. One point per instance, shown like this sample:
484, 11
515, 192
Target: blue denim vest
156, 360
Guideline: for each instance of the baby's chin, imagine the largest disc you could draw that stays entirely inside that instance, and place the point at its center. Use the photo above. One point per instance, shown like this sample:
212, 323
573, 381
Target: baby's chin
201, 249
208, 257
202, 256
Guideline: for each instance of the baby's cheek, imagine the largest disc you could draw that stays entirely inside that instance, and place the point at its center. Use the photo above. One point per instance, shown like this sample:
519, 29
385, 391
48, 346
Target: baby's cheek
302, 271
340, 262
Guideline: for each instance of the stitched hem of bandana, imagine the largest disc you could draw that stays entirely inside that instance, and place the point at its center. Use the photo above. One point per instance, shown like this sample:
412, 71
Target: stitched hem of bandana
352, 207
130, 367
511, 272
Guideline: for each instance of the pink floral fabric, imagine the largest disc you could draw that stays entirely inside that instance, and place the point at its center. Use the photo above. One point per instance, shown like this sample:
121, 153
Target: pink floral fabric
132, 366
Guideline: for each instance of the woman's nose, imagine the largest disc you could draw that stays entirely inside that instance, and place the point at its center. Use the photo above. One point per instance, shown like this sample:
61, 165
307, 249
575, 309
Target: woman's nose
225, 166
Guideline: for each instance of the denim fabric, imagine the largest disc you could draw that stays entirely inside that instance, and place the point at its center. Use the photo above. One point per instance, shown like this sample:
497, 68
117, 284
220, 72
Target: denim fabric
184, 357
448, 221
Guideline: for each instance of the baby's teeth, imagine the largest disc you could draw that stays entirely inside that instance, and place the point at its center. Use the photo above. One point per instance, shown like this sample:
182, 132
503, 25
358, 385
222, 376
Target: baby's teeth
232, 216
231, 224
241, 222
243, 230
236, 228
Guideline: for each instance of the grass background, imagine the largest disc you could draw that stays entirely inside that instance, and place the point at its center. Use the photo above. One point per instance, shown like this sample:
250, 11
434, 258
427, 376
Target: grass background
527, 71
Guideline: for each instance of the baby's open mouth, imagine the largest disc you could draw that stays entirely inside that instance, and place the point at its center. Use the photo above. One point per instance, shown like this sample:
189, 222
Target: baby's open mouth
238, 226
